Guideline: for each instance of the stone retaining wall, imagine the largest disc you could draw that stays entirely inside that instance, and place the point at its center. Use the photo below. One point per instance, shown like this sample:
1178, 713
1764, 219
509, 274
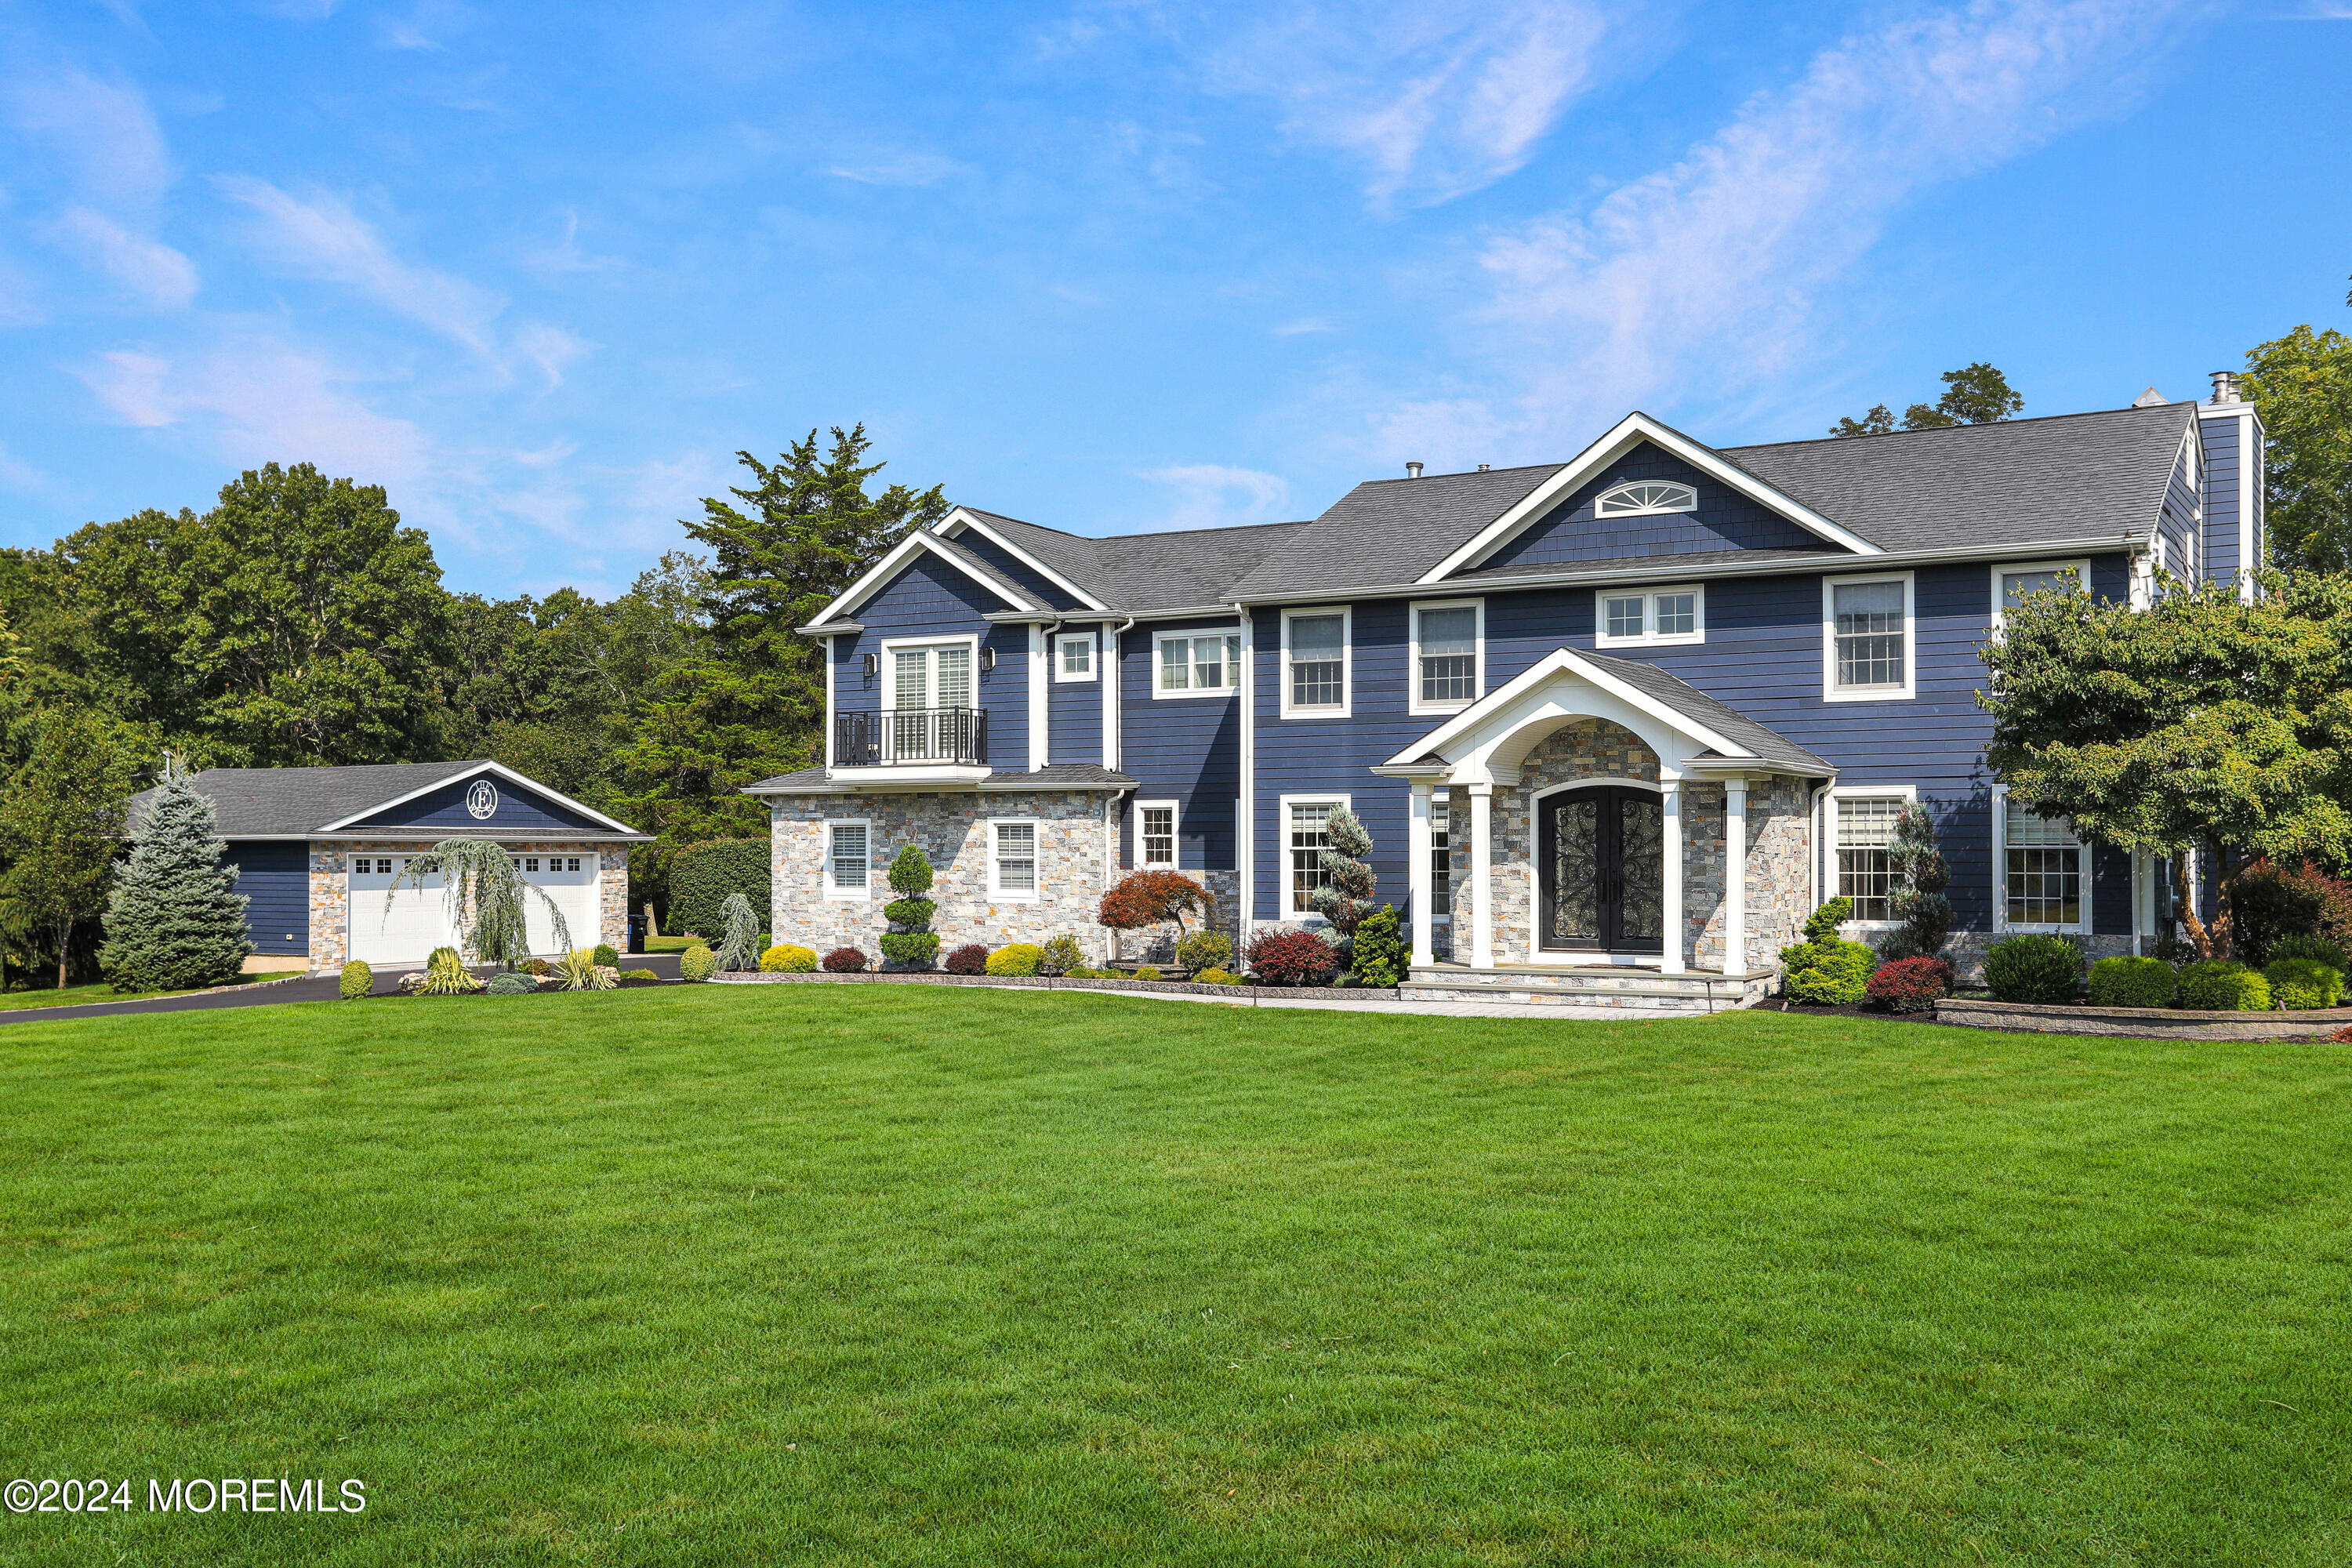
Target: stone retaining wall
2143, 1023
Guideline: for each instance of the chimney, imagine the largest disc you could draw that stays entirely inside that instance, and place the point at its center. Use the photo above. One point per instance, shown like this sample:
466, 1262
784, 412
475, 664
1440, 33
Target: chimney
2225, 386
1412, 470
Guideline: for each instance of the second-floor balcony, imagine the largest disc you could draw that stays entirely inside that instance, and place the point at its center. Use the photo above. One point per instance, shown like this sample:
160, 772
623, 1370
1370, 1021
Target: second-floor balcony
933, 737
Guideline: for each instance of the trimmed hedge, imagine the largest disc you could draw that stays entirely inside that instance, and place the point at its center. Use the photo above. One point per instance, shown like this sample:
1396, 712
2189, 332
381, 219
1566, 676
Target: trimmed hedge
2220, 984
1148, 972
915, 949
2303, 983
1205, 950
2318, 947
2132, 982
702, 875
606, 955
785, 959
2037, 968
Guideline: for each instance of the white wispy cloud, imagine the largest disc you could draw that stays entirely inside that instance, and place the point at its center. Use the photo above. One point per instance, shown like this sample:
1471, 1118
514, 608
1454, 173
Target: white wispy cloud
1704, 274
146, 268
254, 399
102, 131
1211, 495
16, 473
906, 169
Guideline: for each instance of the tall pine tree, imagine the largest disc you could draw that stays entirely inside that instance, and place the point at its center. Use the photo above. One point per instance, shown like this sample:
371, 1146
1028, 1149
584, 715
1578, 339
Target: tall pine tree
175, 920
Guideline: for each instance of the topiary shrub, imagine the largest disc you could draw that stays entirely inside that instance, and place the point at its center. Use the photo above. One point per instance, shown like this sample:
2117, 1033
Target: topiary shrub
1835, 973
2313, 947
910, 949
358, 980
2132, 982
912, 945
1217, 977
1291, 958
1910, 984
1376, 957
1062, 955
1019, 958
1145, 972
510, 984
2221, 984
2037, 968
844, 960
785, 959
969, 958
1204, 950
697, 962
2303, 983
702, 875
1821, 925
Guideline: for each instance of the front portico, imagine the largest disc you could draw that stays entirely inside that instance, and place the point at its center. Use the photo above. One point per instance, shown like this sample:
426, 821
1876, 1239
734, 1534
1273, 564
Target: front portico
1605, 816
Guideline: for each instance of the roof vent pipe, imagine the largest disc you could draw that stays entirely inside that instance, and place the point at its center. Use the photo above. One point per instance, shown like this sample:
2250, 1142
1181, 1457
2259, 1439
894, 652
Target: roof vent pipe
1412, 470
1482, 468
2225, 386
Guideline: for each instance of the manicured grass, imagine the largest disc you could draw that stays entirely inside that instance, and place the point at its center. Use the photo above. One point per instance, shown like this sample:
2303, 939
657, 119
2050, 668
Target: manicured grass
734, 1274
99, 991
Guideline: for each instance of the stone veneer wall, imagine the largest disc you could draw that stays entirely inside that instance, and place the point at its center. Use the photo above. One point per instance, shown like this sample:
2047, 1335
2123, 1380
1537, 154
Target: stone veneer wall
1076, 865
1779, 838
330, 898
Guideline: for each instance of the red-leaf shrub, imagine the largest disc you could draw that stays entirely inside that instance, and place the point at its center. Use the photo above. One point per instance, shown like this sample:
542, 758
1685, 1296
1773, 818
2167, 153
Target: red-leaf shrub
1910, 984
1154, 898
969, 958
844, 960
1291, 958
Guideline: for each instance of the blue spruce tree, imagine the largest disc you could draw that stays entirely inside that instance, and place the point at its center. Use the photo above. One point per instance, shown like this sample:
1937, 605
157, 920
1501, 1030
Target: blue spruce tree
175, 920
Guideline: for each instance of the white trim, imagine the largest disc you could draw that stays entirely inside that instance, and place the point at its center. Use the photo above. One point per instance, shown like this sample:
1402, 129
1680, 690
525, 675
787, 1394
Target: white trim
1175, 834
1649, 598
888, 675
1420, 879
2000, 920
998, 894
1167, 635
1601, 500
831, 658
1542, 670
1339, 798
1829, 860
1414, 702
1092, 639
1629, 432
504, 771
1040, 716
1830, 690
879, 576
1112, 655
1537, 954
1735, 876
833, 889
1345, 706
1482, 878
2080, 568
964, 518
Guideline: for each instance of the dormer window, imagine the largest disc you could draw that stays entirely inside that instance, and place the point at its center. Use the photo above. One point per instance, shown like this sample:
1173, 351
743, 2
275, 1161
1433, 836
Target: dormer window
1646, 497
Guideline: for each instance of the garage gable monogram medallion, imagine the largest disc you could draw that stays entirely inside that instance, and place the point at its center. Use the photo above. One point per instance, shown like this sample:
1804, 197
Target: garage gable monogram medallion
482, 800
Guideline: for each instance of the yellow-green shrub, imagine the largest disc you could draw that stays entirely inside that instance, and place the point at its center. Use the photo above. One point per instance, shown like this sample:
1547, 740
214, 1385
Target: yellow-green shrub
1018, 958
786, 959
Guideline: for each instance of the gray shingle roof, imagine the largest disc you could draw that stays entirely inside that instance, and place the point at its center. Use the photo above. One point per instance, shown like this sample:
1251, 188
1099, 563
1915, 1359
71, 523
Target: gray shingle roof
1144, 573
278, 803
1012, 592
1391, 531
1695, 705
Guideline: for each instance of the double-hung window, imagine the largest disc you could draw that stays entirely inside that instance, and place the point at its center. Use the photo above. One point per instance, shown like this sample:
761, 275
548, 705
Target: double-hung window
1074, 656
1013, 860
1155, 832
2010, 584
2043, 870
1306, 823
847, 875
1865, 827
1315, 664
1650, 616
1198, 664
1867, 638
1447, 649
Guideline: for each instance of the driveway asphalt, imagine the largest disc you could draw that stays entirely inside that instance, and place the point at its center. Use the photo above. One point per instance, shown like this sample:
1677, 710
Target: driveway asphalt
314, 988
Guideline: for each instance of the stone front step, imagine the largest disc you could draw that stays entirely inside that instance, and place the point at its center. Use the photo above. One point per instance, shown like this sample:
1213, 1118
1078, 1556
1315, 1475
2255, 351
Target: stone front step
1602, 992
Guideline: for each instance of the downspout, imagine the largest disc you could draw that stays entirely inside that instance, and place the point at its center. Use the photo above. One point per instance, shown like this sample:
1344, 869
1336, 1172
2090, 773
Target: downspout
1245, 813
1041, 697
1819, 832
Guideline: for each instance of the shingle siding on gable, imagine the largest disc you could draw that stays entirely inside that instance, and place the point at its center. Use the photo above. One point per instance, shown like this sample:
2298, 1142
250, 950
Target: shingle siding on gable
445, 807
1187, 748
931, 599
2178, 519
1026, 577
276, 877
2220, 438
1724, 520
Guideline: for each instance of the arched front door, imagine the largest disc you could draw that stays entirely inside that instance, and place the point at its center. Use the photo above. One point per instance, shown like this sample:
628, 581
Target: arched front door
1600, 870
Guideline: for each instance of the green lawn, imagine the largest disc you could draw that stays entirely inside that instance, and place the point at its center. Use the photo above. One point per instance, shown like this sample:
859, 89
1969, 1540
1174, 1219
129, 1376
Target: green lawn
747, 1275
99, 991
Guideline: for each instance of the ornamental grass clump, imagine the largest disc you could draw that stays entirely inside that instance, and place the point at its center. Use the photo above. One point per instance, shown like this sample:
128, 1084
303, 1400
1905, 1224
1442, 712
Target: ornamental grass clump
697, 963
2037, 968
785, 959
1018, 958
969, 958
175, 920
1825, 969
1217, 977
580, 971
1911, 985
2132, 982
910, 942
739, 949
445, 974
2221, 984
2303, 982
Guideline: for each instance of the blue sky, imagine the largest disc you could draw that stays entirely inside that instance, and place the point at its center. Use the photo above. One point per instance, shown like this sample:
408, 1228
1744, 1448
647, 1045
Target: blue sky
542, 269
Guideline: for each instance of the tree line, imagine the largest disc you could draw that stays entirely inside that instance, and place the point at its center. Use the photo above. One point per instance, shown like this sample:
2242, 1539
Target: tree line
298, 622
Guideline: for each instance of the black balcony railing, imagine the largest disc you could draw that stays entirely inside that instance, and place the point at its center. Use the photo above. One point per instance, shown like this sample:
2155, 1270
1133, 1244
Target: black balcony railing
955, 736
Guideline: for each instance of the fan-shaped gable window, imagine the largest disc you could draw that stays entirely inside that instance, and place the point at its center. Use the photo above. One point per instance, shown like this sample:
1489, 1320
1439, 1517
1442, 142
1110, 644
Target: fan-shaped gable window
1645, 497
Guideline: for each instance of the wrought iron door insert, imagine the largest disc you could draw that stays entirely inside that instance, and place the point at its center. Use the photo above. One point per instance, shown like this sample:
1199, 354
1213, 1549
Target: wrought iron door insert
1600, 870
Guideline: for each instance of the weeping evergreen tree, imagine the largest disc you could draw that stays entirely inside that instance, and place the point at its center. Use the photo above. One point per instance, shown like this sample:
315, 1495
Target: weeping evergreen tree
739, 950
484, 893
175, 920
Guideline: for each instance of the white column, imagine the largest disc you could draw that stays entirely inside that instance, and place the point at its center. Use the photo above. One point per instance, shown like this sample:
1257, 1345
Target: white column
1670, 957
1735, 876
1417, 873
1481, 876
1040, 673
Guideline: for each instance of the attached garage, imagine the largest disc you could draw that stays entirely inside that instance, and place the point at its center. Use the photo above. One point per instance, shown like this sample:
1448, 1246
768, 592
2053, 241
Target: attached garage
323, 853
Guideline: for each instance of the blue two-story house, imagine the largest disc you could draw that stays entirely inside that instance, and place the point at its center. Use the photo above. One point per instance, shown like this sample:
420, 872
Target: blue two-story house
1624, 718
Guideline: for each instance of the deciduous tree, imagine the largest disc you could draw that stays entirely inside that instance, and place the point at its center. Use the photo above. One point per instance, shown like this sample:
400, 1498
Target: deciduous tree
2301, 385
1973, 394
61, 822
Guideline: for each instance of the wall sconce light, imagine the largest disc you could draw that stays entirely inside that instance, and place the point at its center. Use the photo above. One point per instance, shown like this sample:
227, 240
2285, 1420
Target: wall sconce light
873, 665
987, 658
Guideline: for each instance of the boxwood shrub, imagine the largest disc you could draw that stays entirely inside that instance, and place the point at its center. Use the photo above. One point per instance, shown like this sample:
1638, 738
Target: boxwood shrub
358, 981
2303, 982
2037, 968
785, 959
1017, 958
697, 962
2221, 984
2132, 982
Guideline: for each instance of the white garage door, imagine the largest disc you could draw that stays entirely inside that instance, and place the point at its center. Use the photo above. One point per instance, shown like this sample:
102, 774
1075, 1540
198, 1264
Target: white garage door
571, 880
405, 929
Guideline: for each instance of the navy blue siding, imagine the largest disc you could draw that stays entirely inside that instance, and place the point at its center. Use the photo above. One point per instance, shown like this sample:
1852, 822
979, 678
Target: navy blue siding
1027, 578
932, 599
1724, 520
1073, 708
2220, 438
1763, 655
1184, 748
517, 808
2179, 524
276, 878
